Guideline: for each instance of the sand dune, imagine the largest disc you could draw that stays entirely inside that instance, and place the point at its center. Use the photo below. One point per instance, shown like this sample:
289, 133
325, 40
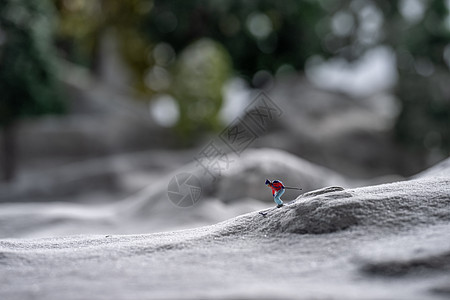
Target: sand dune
237, 191
388, 241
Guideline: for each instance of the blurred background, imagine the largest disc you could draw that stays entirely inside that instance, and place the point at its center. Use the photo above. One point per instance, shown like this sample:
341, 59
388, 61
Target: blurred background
99, 98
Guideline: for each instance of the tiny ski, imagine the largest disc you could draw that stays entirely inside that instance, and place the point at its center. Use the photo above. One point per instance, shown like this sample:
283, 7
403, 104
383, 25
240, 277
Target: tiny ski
278, 190
265, 212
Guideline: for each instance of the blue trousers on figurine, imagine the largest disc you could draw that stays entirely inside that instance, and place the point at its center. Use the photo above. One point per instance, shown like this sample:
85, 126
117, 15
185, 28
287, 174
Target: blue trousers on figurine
277, 195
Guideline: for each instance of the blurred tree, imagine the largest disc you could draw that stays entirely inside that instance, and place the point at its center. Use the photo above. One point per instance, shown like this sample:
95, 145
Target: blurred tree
27, 82
256, 35
153, 35
259, 35
156, 35
83, 24
201, 72
419, 34
421, 42
270, 35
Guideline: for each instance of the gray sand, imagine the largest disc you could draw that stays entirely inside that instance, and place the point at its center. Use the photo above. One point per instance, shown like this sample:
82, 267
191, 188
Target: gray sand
389, 241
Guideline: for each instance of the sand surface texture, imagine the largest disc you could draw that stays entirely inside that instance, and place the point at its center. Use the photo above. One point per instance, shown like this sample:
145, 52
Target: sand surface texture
389, 241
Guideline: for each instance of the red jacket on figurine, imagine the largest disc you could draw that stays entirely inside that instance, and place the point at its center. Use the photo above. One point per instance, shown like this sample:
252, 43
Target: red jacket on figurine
276, 185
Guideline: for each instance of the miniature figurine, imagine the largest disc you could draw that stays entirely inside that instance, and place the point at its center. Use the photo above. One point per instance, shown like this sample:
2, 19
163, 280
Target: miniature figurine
277, 191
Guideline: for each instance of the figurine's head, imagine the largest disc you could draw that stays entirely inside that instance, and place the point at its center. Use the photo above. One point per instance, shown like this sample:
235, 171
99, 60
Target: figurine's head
267, 181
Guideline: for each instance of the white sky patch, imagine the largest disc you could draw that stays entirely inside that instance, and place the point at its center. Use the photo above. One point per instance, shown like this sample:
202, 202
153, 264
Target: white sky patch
259, 25
372, 73
447, 55
342, 23
164, 110
236, 96
447, 20
371, 20
412, 10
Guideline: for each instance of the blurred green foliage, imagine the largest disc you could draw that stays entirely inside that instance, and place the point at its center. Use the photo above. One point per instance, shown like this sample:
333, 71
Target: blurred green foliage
27, 71
84, 22
28, 85
423, 58
200, 73
157, 38
258, 35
